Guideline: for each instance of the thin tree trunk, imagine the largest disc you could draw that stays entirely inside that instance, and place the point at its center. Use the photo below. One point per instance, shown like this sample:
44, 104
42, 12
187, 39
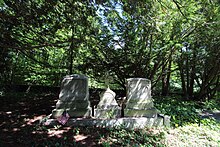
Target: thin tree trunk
182, 77
187, 74
71, 53
14, 68
166, 80
192, 76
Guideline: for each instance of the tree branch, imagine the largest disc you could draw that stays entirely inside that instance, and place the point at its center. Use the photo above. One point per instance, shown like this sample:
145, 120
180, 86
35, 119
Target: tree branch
179, 8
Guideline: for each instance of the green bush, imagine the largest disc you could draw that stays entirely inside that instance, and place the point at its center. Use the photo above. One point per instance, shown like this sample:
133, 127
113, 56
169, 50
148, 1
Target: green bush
213, 104
181, 112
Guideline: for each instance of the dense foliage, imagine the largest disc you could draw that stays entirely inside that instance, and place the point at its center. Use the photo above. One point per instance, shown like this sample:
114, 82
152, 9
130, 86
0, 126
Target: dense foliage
173, 43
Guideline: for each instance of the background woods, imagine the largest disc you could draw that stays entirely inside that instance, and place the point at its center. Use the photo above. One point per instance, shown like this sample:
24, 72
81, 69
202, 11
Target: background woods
174, 43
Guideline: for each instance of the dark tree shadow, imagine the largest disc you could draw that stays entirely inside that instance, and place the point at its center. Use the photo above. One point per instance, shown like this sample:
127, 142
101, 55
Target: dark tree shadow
19, 125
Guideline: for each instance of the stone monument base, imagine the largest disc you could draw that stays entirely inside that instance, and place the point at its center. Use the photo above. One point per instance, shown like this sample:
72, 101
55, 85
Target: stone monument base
107, 113
85, 113
152, 112
125, 122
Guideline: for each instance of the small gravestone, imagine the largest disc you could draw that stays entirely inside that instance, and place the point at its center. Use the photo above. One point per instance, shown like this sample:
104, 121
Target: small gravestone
73, 97
108, 106
139, 101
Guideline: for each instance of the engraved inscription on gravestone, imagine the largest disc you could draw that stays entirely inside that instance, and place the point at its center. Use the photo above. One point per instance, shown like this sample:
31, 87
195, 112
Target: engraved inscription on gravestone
73, 97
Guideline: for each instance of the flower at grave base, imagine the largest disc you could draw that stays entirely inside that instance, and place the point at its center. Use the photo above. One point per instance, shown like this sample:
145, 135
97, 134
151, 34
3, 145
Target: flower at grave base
46, 123
63, 118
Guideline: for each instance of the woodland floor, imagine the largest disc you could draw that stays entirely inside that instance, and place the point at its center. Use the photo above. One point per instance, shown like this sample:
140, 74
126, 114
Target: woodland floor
19, 125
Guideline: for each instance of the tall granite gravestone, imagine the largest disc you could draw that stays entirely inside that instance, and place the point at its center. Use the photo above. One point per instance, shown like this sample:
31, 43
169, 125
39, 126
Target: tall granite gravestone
73, 97
108, 106
139, 101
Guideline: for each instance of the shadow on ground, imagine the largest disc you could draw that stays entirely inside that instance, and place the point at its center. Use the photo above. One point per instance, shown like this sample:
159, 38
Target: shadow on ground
211, 114
19, 125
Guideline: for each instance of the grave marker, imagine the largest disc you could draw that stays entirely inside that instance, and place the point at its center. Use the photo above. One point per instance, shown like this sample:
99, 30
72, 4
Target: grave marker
108, 106
139, 101
73, 97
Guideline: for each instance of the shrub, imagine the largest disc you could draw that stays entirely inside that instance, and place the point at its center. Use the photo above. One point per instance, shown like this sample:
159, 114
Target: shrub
181, 112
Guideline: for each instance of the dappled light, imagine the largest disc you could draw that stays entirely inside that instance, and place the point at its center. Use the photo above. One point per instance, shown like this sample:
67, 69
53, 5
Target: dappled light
21, 124
110, 73
22, 128
80, 137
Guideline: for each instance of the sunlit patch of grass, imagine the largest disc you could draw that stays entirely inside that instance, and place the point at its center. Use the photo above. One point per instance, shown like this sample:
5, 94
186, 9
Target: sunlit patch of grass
194, 135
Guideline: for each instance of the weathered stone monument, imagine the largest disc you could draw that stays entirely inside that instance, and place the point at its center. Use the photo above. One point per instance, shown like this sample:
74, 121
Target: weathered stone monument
139, 101
74, 106
108, 106
73, 97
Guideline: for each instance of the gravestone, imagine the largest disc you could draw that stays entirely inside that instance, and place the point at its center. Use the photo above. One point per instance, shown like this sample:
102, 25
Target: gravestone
74, 102
108, 106
139, 102
73, 97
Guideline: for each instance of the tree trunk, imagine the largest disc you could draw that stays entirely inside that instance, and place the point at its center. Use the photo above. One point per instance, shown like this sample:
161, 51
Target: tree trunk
71, 53
192, 76
182, 76
166, 80
71, 60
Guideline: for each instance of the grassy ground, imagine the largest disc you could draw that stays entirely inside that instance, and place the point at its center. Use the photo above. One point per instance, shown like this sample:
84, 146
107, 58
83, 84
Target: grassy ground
194, 135
20, 115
